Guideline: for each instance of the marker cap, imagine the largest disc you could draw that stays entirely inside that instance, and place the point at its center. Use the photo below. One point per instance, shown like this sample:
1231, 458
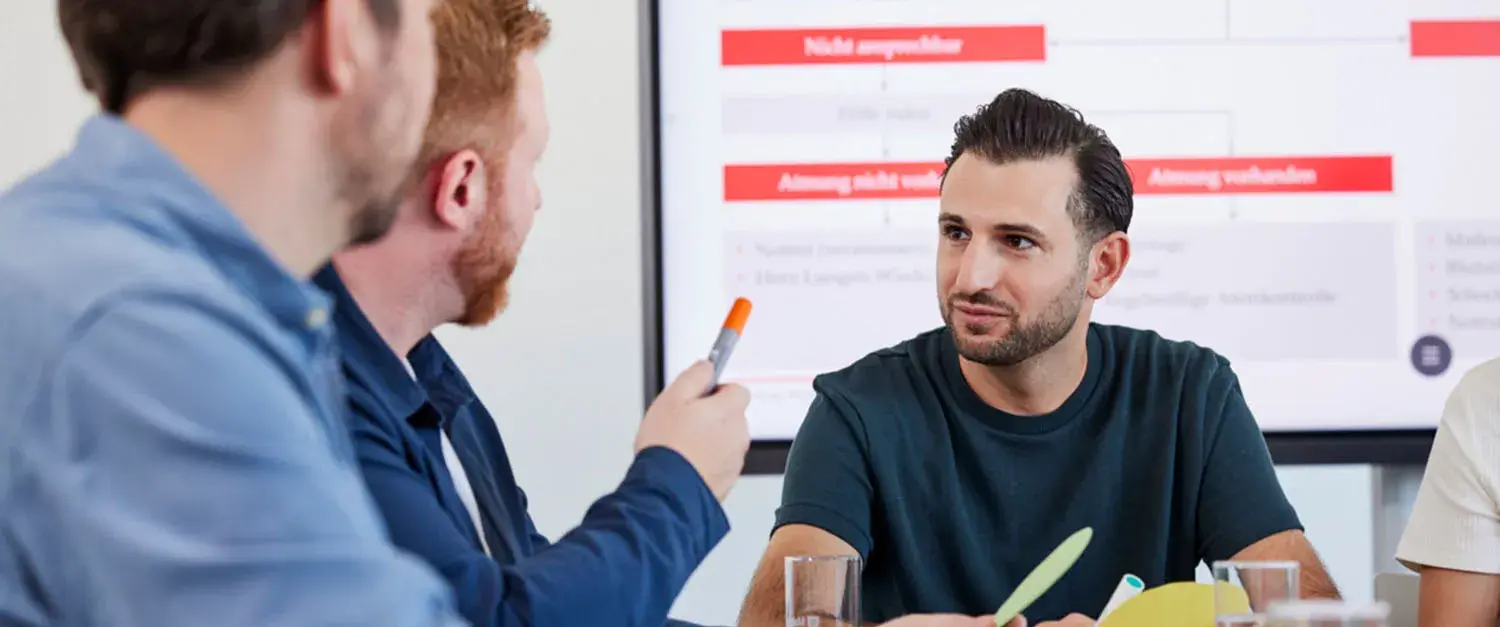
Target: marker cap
738, 314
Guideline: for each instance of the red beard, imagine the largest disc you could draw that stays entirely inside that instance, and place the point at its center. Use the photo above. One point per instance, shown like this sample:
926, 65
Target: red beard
483, 269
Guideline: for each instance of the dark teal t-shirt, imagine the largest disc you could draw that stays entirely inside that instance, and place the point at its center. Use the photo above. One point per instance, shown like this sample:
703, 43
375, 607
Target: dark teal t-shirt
951, 502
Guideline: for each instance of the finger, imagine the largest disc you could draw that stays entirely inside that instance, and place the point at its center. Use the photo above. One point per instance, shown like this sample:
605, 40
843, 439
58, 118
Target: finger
738, 396
730, 400
1019, 621
1077, 620
690, 383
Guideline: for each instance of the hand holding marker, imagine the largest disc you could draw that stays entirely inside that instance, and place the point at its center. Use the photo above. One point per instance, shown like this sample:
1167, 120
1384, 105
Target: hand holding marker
702, 420
734, 325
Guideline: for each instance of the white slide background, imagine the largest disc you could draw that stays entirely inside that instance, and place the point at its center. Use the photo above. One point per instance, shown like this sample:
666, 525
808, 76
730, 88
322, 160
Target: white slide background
1356, 218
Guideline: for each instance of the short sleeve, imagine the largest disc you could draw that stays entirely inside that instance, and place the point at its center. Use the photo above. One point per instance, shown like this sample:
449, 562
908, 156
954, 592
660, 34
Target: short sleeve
173, 448
1455, 521
827, 483
1240, 500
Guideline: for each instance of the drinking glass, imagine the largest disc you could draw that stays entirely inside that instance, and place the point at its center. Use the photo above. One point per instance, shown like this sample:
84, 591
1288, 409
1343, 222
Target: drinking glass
822, 591
1327, 613
1261, 583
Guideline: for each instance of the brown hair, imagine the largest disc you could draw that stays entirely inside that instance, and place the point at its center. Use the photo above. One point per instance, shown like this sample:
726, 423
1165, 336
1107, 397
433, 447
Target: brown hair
478, 43
125, 47
1021, 125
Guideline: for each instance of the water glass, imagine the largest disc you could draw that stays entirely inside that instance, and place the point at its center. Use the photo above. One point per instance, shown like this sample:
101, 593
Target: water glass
1327, 613
822, 591
1259, 583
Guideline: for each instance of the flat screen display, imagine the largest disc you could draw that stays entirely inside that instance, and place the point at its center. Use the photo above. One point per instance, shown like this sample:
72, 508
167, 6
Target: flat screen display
1315, 183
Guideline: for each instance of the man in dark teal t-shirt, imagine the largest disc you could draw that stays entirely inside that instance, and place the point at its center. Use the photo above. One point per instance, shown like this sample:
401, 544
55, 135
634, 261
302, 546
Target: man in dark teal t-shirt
954, 462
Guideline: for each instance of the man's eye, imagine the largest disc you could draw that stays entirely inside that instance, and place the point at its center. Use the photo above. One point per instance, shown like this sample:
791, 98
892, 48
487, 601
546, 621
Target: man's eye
955, 233
1019, 243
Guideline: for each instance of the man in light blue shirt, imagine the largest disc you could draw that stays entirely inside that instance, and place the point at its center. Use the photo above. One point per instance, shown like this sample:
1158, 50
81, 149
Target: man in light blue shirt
171, 442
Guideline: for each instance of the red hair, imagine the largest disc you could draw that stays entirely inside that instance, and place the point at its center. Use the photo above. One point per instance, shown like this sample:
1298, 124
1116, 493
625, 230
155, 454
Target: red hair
478, 44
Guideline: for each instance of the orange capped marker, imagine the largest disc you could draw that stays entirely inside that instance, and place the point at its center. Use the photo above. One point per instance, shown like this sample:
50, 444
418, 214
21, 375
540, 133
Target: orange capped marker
734, 325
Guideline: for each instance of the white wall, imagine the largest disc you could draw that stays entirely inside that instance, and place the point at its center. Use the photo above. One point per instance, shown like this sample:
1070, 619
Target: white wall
562, 370
41, 102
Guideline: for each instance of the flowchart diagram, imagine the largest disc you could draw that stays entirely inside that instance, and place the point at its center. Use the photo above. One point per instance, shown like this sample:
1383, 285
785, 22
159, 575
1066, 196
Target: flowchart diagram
1311, 182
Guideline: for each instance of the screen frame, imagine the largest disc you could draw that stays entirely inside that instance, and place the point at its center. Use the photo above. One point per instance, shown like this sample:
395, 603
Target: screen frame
768, 457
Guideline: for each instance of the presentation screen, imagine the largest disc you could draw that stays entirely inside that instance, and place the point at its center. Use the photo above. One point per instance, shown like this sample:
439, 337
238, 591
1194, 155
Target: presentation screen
1315, 183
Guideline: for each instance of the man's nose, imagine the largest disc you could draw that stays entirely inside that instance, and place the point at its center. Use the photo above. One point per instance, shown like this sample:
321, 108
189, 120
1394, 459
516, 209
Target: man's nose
980, 269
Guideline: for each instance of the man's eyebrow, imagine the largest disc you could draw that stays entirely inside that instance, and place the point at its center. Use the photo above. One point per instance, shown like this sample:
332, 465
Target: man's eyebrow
1019, 228
1012, 228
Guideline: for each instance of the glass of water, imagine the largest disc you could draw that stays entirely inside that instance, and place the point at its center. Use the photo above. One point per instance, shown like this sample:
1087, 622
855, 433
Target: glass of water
1244, 590
822, 591
1327, 613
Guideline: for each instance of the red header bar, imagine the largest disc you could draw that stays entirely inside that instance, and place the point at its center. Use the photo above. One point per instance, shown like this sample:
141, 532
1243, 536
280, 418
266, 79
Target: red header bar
1261, 175
1214, 175
938, 44
1455, 38
832, 181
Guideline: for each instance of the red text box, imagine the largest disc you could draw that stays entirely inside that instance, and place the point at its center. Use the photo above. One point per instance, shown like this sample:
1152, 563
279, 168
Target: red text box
832, 181
1261, 175
938, 44
1455, 38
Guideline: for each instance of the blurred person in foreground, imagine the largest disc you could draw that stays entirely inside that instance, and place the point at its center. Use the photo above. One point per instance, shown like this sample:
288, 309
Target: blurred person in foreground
1453, 536
954, 462
171, 413
431, 454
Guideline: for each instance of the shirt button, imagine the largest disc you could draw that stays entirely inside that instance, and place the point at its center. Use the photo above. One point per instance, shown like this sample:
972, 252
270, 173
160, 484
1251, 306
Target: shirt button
317, 317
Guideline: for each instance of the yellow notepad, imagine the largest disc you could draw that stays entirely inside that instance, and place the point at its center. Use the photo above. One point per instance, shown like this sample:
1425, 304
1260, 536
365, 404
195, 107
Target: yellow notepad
1181, 604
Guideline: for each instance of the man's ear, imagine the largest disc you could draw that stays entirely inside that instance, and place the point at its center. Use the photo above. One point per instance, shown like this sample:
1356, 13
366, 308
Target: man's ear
460, 195
1109, 258
329, 53
342, 41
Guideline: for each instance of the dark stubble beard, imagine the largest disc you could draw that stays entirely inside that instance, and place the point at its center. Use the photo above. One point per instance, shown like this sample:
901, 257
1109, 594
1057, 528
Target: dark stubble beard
374, 177
1025, 340
375, 217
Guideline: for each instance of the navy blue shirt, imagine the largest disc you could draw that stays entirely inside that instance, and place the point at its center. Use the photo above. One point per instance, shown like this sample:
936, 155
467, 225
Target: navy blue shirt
952, 502
172, 449
624, 565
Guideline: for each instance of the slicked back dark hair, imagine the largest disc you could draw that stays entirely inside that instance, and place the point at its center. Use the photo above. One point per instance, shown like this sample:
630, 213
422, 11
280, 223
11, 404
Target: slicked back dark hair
1019, 125
125, 47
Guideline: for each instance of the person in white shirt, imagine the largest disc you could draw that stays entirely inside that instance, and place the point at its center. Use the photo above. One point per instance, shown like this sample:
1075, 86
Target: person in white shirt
1453, 536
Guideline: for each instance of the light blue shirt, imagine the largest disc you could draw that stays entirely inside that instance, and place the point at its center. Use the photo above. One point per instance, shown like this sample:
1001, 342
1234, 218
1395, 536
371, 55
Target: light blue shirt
172, 446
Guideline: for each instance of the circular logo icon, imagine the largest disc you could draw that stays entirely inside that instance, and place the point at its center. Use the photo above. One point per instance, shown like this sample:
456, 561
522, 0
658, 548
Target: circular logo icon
1431, 356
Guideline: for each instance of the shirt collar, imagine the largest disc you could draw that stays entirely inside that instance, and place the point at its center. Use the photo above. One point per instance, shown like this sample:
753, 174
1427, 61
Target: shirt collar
438, 382
111, 152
